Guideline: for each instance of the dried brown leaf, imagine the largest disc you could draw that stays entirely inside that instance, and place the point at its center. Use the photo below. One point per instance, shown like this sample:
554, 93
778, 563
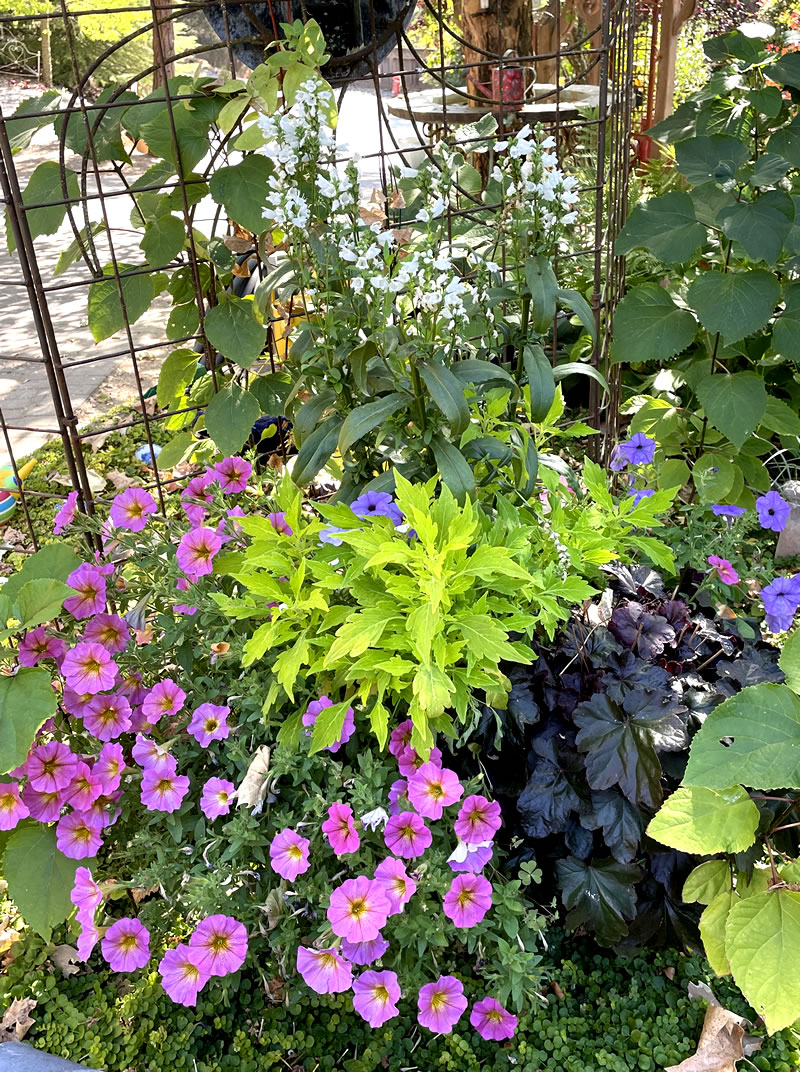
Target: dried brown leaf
119, 479
65, 958
397, 200
238, 245
253, 787
241, 270
16, 1020
722, 1041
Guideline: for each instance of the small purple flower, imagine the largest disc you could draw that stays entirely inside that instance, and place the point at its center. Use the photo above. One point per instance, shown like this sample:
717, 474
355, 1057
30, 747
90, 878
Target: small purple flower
642, 493
329, 536
617, 462
278, 521
377, 504
781, 600
773, 511
728, 511
66, 514
315, 709
472, 858
639, 450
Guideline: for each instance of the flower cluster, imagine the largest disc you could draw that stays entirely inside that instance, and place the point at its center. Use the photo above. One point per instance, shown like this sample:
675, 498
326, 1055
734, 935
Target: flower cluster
361, 907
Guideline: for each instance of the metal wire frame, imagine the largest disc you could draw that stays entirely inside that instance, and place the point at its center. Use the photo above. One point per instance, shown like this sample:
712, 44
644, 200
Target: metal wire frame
608, 50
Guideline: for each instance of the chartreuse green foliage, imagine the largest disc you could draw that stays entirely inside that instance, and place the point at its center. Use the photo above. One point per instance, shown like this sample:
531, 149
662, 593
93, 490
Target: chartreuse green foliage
751, 924
720, 314
616, 1015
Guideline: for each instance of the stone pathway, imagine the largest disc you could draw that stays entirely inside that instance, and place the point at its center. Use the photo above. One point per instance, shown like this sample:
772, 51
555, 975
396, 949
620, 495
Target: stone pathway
97, 384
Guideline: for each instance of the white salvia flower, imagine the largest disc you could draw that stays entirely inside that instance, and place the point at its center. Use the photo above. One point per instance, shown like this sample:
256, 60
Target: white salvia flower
407, 172
375, 818
386, 238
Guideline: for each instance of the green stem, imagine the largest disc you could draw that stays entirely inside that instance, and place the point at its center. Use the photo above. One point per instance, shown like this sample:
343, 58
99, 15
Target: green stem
416, 383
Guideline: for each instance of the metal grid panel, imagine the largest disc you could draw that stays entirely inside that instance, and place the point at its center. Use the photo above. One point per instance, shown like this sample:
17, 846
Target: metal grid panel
596, 139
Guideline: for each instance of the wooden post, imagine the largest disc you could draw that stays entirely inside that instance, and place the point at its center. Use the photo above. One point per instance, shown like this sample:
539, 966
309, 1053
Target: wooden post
674, 13
163, 44
495, 26
47, 62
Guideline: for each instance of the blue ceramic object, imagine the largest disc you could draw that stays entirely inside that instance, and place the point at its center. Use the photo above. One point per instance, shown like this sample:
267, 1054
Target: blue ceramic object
143, 453
346, 24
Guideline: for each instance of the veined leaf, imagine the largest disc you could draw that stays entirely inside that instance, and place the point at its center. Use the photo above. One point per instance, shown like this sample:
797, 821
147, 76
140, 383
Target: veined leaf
734, 404
433, 689
735, 304
706, 821
230, 416
649, 326
707, 881
363, 419
40, 878
666, 226
328, 726
27, 700
231, 327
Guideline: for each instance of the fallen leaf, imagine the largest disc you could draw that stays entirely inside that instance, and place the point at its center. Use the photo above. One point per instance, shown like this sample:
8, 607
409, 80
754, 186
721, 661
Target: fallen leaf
65, 958
140, 892
559, 993
97, 441
670, 973
275, 908
723, 1040
241, 270
221, 648
119, 479
253, 787
16, 1020
7, 938
397, 200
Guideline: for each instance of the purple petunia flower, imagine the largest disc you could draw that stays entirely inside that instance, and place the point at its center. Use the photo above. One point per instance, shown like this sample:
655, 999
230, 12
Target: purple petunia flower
642, 493
639, 450
315, 709
728, 511
781, 600
66, 514
377, 504
773, 511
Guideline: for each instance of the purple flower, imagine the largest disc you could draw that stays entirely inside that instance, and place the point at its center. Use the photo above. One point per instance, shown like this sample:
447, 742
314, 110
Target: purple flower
642, 493
492, 1022
126, 945
441, 1004
131, 508
315, 709
468, 899
639, 450
329, 536
471, 858
773, 511
278, 521
90, 585
196, 552
617, 461
375, 996
66, 514
233, 474
728, 511
781, 600
363, 953
377, 504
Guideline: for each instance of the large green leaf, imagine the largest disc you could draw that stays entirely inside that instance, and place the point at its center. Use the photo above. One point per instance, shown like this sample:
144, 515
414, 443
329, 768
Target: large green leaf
574, 300
26, 701
649, 326
56, 560
735, 304
455, 469
243, 189
789, 661
760, 225
666, 226
40, 877
677, 127
447, 393
176, 374
316, 451
762, 941
785, 71
712, 930
734, 404
785, 142
41, 600
599, 895
780, 417
25, 121
710, 158
713, 476
752, 739
543, 288
707, 881
706, 821
191, 120
363, 419
105, 310
621, 744
75, 250
47, 187
106, 136
163, 239
786, 329
230, 416
231, 327
540, 380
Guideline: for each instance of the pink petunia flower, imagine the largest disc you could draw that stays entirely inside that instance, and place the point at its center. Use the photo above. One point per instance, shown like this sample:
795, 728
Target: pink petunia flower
324, 970
109, 630
163, 791
107, 716
222, 941
725, 571
165, 698
400, 738
76, 703
209, 723
398, 794
492, 1022
468, 899
289, 854
126, 945
152, 756
37, 645
478, 820
196, 552
471, 858
431, 789
139, 723
398, 886
217, 797
66, 515
132, 687
44, 807
78, 835
12, 809
409, 761
340, 830
130, 509
51, 767
89, 668
441, 1004
313, 711
233, 474
375, 996
86, 895
87, 939
84, 789
90, 585
108, 767
181, 975
407, 835
278, 521
364, 953
358, 909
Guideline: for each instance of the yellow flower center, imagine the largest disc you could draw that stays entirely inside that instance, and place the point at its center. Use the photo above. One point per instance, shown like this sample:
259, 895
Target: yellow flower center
358, 908
381, 993
8, 801
82, 833
164, 785
399, 886
127, 942
328, 960
436, 790
438, 1000
210, 725
295, 852
220, 943
494, 1016
189, 971
465, 898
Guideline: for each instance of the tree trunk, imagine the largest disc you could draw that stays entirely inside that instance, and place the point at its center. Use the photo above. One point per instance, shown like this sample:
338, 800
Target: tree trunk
496, 28
163, 44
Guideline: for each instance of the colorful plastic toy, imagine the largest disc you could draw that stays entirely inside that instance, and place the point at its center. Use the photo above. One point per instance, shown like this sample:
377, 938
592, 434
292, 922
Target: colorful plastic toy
10, 489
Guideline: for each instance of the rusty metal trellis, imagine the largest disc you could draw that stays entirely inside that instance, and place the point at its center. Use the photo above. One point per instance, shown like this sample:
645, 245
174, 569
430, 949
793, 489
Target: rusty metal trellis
52, 347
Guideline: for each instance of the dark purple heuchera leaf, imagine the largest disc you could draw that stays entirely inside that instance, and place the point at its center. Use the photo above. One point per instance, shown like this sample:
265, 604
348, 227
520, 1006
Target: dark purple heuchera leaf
622, 742
547, 801
599, 896
752, 669
636, 580
626, 673
622, 823
578, 840
633, 626
676, 612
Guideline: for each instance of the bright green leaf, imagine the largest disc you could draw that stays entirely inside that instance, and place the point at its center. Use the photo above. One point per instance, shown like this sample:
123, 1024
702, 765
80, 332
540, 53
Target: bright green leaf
666, 226
242, 189
231, 327
706, 821
649, 326
163, 240
760, 225
104, 308
26, 701
40, 878
41, 600
712, 931
734, 404
735, 304
789, 661
230, 416
176, 374
45, 188
707, 881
